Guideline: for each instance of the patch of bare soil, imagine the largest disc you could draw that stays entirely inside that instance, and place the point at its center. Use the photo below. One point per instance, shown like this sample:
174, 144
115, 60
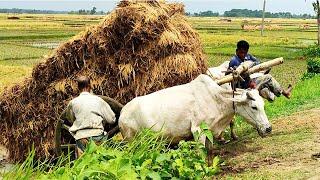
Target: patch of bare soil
291, 152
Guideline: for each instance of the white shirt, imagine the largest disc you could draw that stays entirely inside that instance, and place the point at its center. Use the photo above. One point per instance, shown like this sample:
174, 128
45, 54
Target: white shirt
91, 113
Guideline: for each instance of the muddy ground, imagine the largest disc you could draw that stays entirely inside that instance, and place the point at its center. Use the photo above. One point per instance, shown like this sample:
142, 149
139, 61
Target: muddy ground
286, 154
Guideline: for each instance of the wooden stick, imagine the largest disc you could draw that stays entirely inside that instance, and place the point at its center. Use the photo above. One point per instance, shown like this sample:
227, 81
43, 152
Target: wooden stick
265, 65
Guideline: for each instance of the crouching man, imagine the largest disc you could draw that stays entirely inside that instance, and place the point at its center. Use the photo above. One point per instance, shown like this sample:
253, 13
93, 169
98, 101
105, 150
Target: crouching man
90, 113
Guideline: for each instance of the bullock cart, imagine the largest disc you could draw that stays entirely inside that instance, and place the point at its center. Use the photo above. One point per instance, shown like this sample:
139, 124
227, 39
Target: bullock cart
64, 140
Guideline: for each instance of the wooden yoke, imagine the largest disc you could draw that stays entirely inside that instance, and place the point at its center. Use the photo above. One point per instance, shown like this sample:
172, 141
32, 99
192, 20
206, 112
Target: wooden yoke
245, 67
242, 68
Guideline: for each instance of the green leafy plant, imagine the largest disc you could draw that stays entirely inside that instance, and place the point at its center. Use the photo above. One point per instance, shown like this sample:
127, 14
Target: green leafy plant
313, 51
205, 130
148, 156
313, 68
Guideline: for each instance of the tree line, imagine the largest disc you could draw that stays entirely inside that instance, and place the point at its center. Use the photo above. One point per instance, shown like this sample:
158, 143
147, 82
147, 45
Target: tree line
231, 13
249, 13
34, 11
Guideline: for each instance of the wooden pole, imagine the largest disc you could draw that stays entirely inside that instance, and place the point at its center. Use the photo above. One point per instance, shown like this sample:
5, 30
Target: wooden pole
263, 14
265, 65
318, 20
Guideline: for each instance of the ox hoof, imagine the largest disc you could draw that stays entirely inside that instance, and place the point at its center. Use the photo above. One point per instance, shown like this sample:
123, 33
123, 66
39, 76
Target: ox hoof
235, 138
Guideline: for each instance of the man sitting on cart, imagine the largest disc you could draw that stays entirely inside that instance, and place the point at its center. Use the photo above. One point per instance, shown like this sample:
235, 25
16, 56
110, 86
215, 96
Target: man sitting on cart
267, 80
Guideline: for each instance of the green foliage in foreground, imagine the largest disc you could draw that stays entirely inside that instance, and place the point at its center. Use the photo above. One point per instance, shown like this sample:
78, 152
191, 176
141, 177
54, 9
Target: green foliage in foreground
146, 157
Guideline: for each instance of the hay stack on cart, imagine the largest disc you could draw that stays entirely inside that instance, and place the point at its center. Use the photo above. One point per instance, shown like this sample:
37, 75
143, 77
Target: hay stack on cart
141, 47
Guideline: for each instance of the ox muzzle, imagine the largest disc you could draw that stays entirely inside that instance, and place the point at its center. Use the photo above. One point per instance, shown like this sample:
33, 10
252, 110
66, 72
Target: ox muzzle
263, 132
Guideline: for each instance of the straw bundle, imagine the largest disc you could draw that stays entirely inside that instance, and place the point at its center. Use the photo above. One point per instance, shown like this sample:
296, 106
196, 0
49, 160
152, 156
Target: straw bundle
141, 47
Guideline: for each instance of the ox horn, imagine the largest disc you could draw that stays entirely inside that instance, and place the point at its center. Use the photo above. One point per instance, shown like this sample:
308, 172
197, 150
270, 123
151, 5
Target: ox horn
249, 96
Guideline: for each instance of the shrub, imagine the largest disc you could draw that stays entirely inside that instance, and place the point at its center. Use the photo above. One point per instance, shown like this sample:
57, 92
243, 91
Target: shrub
313, 51
313, 68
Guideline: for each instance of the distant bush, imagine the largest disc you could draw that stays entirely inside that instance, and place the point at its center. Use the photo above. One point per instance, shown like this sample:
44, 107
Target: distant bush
313, 68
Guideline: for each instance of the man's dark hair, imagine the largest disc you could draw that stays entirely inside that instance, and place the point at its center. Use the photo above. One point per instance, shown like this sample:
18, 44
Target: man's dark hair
83, 81
243, 45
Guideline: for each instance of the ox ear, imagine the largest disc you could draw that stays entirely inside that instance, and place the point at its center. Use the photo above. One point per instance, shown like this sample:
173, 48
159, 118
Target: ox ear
249, 96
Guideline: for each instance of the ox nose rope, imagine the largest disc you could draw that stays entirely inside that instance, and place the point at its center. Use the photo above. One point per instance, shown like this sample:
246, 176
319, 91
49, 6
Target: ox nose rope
233, 90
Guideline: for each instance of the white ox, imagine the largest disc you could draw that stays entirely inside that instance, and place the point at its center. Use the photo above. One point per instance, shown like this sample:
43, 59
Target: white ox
179, 110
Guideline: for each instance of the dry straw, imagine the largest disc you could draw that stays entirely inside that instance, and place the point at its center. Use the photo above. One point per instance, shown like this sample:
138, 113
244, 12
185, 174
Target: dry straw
141, 47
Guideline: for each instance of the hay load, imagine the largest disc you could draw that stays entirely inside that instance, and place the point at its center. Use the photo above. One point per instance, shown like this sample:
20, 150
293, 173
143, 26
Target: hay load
141, 47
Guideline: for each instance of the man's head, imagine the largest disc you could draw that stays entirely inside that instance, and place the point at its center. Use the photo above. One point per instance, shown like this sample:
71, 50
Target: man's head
242, 49
84, 83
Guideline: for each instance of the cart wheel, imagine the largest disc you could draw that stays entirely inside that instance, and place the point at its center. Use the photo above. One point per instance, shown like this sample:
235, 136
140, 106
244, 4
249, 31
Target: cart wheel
116, 107
64, 141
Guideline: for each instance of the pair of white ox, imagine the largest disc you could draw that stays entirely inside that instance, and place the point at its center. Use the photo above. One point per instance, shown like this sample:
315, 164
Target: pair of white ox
179, 110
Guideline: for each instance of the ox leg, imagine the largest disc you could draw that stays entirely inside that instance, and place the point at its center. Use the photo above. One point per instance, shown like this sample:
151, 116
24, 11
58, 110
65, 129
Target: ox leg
205, 141
209, 148
233, 134
221, 138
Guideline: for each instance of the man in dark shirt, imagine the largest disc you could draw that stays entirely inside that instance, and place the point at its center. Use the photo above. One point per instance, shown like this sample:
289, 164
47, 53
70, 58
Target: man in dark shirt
241, 56
269, 82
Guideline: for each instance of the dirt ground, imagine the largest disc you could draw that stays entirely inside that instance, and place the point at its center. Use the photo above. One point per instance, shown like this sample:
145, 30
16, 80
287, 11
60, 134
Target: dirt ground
291, 152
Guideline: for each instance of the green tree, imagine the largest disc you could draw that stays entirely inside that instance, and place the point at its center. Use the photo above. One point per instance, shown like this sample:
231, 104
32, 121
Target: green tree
93, 11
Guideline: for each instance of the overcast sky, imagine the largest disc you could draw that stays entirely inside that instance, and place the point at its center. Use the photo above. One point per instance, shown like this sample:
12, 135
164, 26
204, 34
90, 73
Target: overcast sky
293, 6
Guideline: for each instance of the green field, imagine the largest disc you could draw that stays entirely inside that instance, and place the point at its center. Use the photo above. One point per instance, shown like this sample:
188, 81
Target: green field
26, 41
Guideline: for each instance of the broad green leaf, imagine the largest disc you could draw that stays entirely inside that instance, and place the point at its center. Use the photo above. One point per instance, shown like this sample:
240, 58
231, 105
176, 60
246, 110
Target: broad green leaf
204, 126
165, 174
161, 158
215, 161
209, 135
146, 163
154, 175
